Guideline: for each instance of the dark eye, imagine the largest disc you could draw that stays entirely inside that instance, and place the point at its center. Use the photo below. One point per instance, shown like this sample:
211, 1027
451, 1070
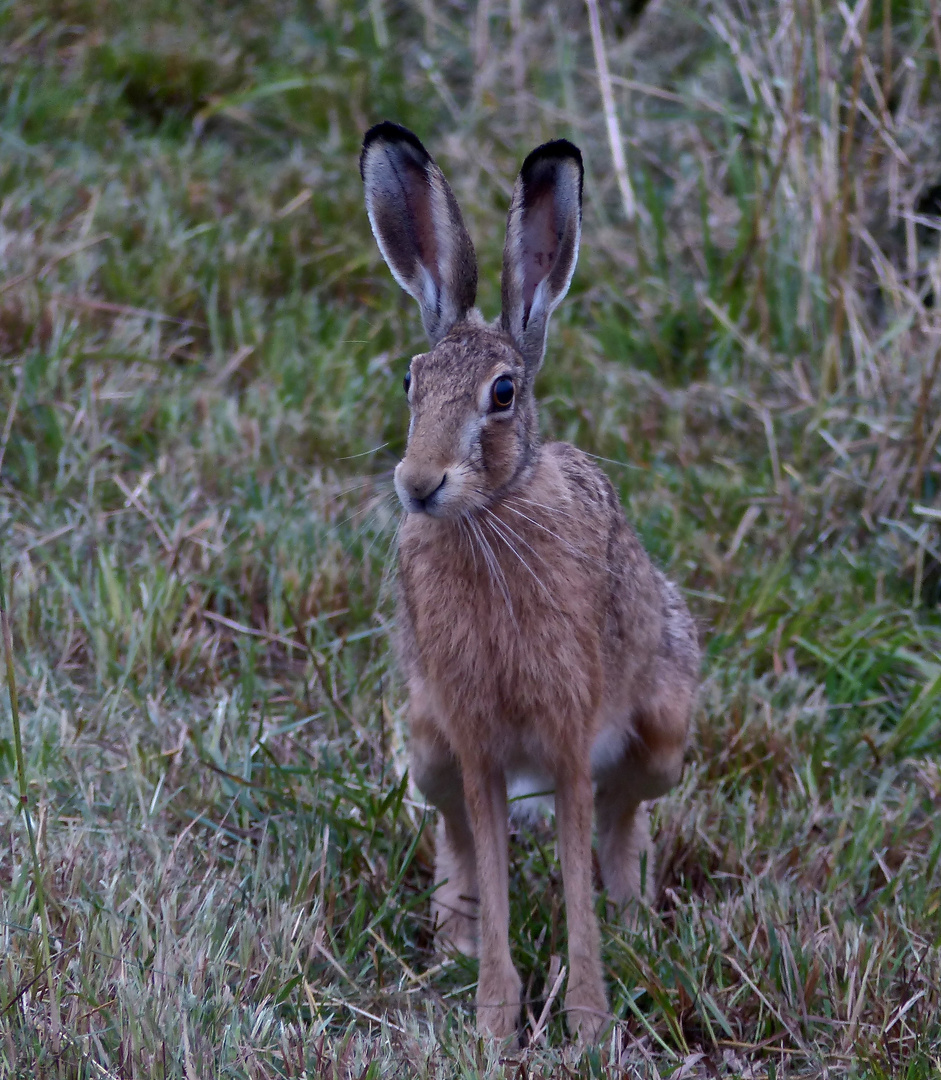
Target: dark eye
407, 381
503, 393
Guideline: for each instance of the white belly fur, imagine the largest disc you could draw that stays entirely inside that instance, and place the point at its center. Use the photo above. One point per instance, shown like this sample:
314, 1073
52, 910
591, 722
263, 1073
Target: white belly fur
530, 789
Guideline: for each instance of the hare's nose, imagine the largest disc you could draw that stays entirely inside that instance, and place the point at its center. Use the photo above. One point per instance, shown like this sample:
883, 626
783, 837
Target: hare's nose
419, 488
423, 489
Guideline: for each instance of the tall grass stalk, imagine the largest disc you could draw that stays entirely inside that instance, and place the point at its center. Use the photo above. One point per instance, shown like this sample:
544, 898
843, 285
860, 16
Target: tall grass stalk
24, 808
831, 372
612, 126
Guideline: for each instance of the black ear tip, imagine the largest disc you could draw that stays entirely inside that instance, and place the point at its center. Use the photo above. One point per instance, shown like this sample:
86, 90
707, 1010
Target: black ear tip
551, 152
395, 135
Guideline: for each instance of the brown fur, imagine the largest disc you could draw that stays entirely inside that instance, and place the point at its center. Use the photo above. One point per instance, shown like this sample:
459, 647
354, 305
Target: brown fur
536, 637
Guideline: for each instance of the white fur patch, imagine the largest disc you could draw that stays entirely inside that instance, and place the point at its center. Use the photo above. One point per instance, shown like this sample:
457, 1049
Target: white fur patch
608, 748
529, 794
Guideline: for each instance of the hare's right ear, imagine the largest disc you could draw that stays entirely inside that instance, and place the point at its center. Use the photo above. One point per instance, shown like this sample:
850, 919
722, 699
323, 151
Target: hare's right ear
418, 226
542, 233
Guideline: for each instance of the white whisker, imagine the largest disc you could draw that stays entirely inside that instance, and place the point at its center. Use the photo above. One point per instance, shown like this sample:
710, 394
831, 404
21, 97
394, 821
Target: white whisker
498, 526
497, 577
379, 532
365, 453
613, 461
365, 482
390, 563
522, 539
542, 506
571, 547
465, 533
371, 505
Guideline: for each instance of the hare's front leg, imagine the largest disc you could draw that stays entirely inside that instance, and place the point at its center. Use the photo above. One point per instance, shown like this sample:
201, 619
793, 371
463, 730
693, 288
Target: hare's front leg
586, 1004
438, 776
498, 984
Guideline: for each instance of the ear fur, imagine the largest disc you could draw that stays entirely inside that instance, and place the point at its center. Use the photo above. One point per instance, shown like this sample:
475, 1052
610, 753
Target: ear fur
418, 225
542, 234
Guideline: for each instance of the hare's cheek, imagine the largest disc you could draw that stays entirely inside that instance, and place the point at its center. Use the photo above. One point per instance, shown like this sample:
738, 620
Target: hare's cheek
468, 448
499, 452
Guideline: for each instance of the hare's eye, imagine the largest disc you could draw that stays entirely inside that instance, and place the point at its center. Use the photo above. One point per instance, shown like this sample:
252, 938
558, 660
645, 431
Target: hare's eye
503, 393
407, 381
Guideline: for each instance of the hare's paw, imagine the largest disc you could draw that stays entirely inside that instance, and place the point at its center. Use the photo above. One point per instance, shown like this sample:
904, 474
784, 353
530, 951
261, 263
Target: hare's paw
586, 1014
454, 905
455, 927
498, 1003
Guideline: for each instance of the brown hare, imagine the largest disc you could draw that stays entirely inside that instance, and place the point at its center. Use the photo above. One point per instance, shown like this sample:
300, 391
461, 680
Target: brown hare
537, 639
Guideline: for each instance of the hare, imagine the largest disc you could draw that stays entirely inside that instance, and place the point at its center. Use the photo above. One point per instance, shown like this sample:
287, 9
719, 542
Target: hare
537, 639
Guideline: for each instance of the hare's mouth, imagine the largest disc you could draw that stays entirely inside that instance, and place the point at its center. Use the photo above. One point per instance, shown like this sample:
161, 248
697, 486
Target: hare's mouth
422, 492
442, 493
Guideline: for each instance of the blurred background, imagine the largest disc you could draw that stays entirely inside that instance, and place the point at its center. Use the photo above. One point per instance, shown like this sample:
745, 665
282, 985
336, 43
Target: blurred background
201, 357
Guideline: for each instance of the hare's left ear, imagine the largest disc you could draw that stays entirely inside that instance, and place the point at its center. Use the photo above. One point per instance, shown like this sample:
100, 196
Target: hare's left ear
418, 226
542, 234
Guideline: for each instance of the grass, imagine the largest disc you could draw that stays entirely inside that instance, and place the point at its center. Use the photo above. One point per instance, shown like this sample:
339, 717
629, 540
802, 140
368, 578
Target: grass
200, 362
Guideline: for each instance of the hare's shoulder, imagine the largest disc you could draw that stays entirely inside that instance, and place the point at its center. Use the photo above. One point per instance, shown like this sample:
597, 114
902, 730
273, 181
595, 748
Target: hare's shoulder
582, 481
591, 500
589, 497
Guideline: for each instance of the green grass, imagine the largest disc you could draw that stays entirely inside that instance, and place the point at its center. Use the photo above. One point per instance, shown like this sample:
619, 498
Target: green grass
200, 365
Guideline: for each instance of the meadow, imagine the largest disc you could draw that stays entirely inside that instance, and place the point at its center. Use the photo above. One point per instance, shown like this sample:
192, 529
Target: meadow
201, 357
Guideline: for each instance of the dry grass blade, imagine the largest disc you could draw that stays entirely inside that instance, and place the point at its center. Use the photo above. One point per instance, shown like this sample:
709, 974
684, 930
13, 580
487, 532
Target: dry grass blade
38, 881
51, 264
612, 125
557, 978
11, 416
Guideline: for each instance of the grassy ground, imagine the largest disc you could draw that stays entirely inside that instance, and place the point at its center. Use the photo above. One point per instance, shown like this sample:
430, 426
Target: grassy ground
200, 366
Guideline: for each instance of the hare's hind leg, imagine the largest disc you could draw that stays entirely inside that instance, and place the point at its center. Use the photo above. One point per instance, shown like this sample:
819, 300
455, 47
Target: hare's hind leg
454, 907
438, 776
625, 851
652, 762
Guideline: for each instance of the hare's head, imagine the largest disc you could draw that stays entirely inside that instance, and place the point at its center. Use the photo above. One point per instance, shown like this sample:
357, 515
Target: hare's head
473, 430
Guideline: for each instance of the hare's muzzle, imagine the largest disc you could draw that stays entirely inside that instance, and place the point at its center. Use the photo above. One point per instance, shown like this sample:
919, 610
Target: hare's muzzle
420, 489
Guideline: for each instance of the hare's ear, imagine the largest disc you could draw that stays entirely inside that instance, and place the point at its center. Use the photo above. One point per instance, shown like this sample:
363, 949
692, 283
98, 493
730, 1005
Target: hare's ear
418, 226
542, 233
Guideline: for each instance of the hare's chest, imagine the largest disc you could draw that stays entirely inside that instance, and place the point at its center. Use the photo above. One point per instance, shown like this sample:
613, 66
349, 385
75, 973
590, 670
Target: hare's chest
503, 652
